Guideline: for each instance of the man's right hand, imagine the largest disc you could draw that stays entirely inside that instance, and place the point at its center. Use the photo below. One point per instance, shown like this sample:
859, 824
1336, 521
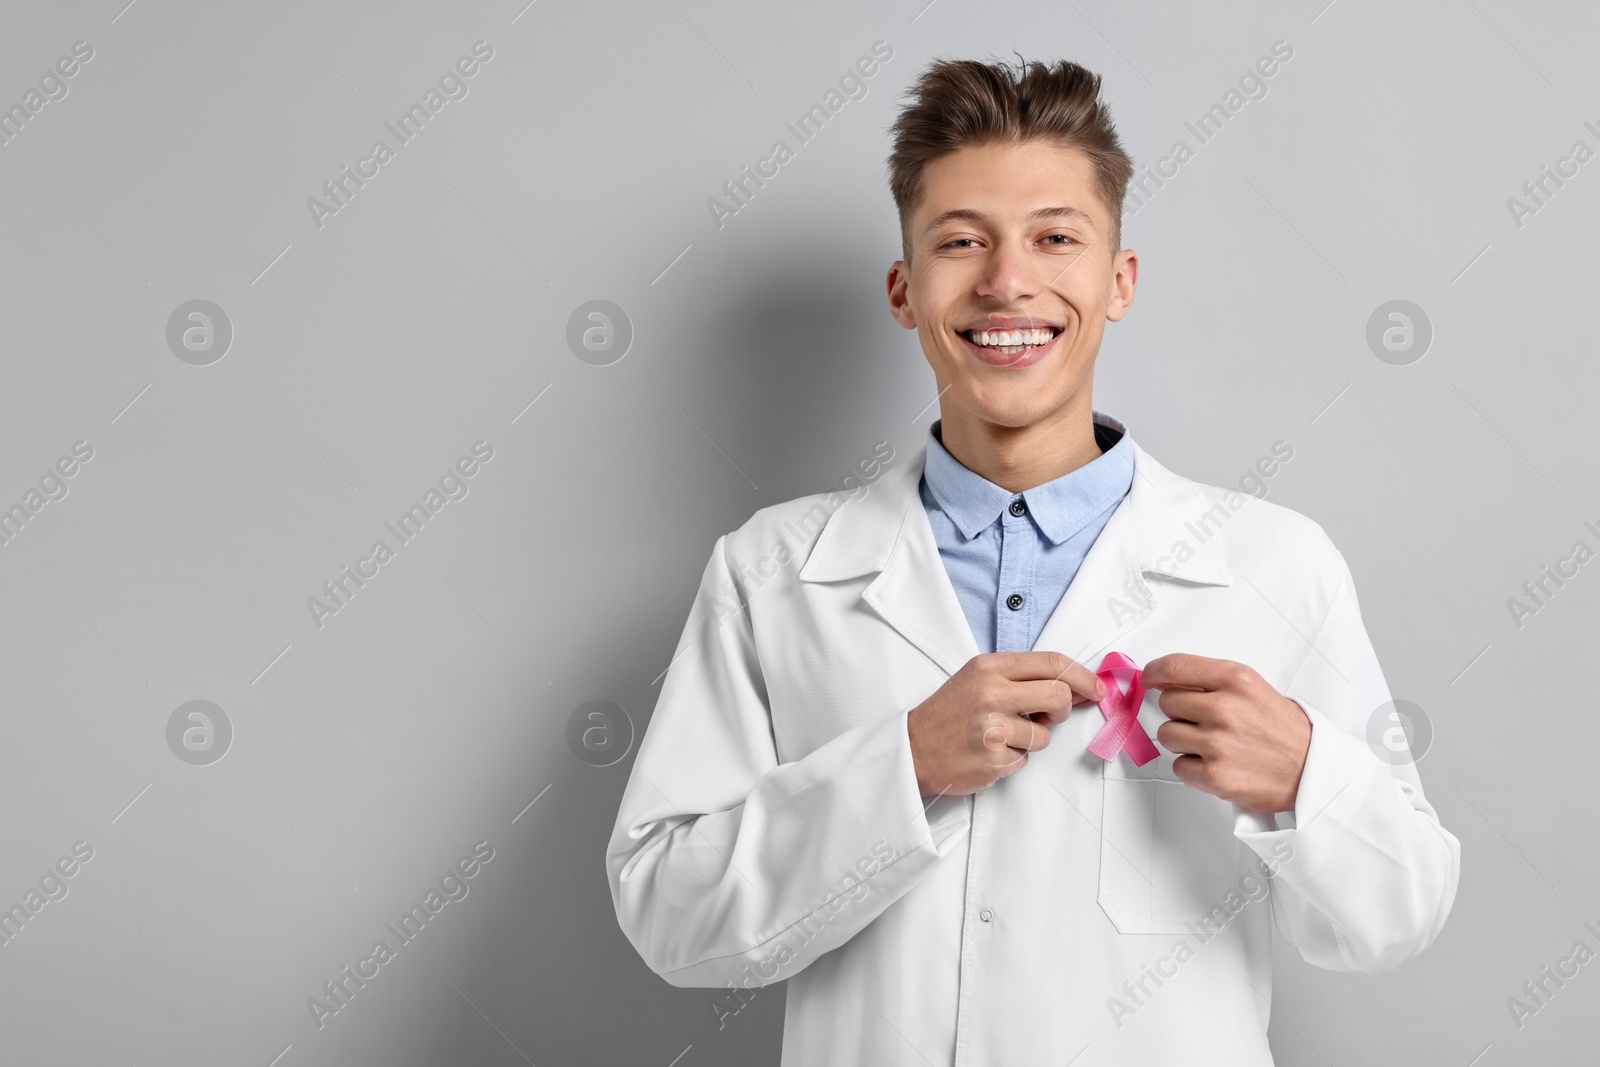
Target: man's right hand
981, 724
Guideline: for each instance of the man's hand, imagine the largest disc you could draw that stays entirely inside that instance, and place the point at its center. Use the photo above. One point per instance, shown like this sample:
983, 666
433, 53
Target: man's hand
981, 724
1241, 739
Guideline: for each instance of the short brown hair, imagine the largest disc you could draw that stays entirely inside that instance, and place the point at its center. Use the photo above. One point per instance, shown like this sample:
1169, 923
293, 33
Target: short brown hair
958, 102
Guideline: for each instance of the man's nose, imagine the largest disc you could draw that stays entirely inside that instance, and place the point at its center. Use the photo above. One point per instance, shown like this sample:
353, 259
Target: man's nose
1009, 274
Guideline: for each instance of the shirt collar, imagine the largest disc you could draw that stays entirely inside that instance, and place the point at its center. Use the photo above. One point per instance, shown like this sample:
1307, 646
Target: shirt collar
1061, 507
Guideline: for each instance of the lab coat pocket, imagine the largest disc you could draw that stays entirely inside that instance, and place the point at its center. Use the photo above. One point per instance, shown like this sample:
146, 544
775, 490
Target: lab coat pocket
1167, 851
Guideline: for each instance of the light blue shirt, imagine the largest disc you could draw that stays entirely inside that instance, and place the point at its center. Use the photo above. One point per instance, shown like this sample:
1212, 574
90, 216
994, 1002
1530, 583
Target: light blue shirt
1011, 556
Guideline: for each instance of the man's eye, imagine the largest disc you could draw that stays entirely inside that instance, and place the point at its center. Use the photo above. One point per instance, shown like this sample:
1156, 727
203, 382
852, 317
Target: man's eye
1065, 238
957, 240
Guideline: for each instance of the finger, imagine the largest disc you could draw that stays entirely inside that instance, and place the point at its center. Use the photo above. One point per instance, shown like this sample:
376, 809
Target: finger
1192, 772
1031, 666
1189, 671
1184, 738
1014, 766
1048, 699
1002, 731
1026, 735
1188, 705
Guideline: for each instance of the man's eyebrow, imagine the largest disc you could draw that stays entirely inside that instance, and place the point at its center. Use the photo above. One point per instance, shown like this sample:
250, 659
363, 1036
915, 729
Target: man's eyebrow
968, 214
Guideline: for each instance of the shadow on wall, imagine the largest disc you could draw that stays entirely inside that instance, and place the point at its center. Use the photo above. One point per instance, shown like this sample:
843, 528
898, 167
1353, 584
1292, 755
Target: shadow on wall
791, 364
803, 367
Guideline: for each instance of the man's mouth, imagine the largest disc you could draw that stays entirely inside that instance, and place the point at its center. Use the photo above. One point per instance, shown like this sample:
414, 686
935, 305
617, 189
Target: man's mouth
1012, 342
1013, 349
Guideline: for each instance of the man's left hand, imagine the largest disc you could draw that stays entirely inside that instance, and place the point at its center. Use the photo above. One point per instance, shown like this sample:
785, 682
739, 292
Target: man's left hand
1238, 737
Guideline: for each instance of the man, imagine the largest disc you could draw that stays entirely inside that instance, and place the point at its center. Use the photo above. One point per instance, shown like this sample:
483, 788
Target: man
864, 774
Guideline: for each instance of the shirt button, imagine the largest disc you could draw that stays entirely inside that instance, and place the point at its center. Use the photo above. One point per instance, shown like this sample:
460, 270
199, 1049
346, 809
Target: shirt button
1018, 507
1014, 601
985, 914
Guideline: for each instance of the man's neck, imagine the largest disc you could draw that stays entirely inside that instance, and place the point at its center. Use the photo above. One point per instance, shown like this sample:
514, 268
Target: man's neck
1021, 457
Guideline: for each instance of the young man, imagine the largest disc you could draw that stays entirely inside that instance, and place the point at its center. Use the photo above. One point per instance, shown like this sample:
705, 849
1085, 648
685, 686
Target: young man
864, 774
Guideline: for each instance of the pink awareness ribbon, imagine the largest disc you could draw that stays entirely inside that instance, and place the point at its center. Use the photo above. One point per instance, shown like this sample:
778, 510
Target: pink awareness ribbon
1121, 709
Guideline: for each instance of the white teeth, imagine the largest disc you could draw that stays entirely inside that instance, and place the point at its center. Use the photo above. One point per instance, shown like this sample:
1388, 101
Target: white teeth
1011, 338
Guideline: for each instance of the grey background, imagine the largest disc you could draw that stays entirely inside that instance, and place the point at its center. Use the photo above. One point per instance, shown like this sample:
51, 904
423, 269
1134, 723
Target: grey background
369, 354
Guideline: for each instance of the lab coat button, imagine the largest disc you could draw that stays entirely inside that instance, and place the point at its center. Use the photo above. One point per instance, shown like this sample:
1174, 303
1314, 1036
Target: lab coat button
1014, 601
985, 914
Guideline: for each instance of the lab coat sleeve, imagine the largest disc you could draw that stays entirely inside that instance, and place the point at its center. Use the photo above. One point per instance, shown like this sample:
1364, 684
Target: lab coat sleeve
1372, 874
726, 865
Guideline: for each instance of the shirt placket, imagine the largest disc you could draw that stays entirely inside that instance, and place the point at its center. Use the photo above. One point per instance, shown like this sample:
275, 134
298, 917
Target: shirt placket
1013, 633
1014, 597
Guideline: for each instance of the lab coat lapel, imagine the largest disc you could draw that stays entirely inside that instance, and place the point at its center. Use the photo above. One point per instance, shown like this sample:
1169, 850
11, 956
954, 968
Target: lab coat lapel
914, 595
1109, 595
887, 531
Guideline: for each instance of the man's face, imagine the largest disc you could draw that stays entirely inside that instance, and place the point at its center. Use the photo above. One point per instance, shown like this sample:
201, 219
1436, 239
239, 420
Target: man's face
1011, 237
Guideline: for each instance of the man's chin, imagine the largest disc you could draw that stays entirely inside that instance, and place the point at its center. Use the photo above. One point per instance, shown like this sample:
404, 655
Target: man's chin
1015, 405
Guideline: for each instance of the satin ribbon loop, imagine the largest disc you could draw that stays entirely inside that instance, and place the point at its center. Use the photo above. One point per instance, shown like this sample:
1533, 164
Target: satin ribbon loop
1121, 709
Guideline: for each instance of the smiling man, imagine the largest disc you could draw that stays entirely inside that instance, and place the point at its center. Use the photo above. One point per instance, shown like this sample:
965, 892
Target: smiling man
870, 780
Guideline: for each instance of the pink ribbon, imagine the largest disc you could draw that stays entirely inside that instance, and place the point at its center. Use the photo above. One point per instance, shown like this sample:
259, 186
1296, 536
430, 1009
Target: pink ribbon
1121, 709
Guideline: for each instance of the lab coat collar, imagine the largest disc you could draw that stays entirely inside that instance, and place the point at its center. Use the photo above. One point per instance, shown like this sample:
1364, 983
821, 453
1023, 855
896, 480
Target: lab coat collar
886, 531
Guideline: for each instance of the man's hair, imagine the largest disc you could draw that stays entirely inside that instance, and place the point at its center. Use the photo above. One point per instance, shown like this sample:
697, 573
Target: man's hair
959, 102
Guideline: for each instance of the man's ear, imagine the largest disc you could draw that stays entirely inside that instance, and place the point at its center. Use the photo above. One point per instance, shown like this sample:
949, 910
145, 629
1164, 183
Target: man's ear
1124, 280
898, 283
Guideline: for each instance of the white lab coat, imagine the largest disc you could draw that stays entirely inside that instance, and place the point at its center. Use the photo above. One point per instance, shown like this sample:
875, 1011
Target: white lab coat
772, 827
